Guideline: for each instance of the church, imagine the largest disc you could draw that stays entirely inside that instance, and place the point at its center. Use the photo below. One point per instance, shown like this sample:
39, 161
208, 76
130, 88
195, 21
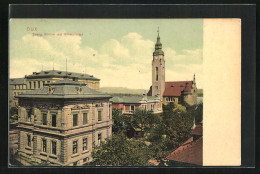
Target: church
178, 92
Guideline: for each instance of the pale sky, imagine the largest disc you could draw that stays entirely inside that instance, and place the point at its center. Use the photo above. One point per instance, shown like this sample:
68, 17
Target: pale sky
117, 51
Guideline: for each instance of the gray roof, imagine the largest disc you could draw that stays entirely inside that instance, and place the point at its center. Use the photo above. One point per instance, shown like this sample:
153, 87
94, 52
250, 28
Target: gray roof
17, 81
61, 74
131, 99
64, 89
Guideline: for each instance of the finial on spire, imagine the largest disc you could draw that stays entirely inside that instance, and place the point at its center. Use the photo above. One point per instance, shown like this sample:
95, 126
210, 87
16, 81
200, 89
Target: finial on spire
158, 31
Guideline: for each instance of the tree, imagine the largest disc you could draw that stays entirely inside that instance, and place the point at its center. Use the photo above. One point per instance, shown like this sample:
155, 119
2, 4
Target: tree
143, 119
196, 111
172, 130
120, 151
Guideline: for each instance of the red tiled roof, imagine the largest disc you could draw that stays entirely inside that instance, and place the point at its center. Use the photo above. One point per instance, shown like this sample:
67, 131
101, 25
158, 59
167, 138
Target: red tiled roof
197, 130
188, 152
176, 88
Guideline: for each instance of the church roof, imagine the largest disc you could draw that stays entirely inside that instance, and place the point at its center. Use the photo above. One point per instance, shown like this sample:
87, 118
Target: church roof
177, 88
158, 47
64, 89
60, 74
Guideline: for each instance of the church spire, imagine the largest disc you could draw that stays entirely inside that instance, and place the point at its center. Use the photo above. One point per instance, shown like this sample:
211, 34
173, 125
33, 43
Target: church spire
158, 46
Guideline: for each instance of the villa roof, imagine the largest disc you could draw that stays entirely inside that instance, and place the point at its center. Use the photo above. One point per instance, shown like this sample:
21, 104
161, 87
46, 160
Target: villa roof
64, 89
177, 88
131, 99
188, 152
191, 150
60, 74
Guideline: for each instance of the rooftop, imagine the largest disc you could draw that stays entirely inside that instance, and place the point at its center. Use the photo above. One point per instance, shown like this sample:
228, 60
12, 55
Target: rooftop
188, 152
61, 74
177, 88
17, 81
132, 99
64, 89
191, 150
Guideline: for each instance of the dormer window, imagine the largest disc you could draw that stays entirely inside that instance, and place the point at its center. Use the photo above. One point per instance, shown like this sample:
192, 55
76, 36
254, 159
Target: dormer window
46, 72
69, 73
59, 72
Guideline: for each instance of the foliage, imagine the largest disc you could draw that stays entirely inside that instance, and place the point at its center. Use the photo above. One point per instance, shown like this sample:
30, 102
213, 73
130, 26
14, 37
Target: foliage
143, 119
164, 132
120, 151
118, 121
196, 111
171, 131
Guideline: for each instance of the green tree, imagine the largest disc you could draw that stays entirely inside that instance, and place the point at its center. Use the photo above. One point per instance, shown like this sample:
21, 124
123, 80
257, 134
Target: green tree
172, 130
196, 111
120, 151
143, 119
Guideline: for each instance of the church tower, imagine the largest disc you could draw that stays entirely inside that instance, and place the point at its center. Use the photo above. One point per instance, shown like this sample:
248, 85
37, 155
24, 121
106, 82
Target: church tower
158, 69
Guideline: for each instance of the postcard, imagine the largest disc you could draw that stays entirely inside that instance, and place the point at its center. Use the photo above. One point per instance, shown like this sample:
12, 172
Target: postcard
125, 92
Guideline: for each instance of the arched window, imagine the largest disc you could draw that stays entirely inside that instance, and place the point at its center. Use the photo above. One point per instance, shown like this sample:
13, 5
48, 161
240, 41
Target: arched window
156, 73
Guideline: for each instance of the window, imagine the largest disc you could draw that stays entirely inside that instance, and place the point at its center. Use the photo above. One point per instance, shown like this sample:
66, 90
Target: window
44, 145
53, 147
132, 107
75, 163
85, 160
75, 119
43, 83
99, 138
53, 120
34, 84
152, 107
29, 140
39, 84
44, 118
99, 115
29, 112
144, 107
156, 73
14, 93
85, 144
156, 87
75, 147
30, 85
85, 118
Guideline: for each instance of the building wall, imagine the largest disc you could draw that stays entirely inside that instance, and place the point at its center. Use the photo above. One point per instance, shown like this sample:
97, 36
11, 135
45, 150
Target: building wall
15, 90
38, 83
158, 87
191, 99
170, 99
64, 133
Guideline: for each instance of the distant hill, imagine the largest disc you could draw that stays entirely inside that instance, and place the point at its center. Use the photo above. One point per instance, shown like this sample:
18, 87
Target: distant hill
128, 91
122, 90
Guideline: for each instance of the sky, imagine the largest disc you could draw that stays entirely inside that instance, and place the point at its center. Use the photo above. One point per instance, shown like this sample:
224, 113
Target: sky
117, 51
